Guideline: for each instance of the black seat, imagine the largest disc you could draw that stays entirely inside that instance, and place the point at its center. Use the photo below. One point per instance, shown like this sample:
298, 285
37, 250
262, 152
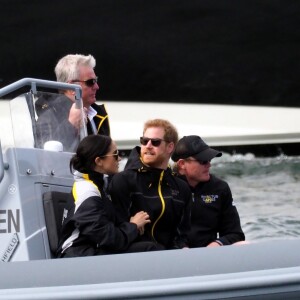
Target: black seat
54, 205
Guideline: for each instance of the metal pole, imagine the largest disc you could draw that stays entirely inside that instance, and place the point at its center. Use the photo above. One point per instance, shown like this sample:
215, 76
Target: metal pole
33, 82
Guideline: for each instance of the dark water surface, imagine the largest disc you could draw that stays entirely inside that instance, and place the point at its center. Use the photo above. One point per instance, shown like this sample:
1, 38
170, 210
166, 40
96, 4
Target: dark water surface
266, 192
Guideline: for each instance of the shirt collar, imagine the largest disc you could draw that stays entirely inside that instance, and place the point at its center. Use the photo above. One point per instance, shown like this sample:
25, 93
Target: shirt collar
91, 113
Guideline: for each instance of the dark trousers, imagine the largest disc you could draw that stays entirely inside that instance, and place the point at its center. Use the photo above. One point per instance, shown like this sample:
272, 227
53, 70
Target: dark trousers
144, 246
89, 251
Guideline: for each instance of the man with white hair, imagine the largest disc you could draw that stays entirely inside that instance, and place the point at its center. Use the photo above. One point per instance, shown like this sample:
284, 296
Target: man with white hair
58, 117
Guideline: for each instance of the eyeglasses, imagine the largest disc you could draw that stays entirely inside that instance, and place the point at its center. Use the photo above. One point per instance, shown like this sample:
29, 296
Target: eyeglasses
155, 142
115, 155
201, 162
88, 82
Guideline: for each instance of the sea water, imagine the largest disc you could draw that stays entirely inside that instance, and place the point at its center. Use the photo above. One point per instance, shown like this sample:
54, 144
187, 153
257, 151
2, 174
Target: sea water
266, 192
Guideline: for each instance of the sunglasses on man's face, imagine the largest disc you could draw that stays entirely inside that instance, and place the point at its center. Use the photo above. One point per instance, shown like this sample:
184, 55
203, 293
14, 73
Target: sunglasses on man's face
201, 162
155, 142
115, 155
88, 82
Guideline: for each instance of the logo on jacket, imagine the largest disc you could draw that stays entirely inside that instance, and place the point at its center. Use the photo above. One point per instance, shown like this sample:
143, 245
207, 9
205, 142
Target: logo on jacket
174, 192
209, 198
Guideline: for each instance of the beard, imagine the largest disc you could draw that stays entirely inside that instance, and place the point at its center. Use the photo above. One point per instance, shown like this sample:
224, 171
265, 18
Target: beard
155, 160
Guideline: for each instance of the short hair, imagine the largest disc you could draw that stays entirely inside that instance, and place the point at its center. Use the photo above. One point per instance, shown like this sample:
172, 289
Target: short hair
89, 148
67, 68
171, 134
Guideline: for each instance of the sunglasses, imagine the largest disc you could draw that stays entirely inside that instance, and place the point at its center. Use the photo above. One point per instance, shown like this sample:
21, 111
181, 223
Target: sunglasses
115, 155
201, 162
88, 82
155, 142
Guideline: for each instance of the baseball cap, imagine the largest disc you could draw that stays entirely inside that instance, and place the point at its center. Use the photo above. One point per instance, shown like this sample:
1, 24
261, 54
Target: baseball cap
193, 145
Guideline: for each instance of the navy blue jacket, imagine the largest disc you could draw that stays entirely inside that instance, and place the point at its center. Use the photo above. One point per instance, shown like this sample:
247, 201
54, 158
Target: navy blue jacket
214, 215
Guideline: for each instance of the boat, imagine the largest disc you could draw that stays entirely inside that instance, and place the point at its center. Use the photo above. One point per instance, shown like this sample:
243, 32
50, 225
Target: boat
34, 181
263, 130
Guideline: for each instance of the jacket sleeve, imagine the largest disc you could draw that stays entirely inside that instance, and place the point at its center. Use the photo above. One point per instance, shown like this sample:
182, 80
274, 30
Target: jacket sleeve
230, 230
120, 194
184, 226
95, 222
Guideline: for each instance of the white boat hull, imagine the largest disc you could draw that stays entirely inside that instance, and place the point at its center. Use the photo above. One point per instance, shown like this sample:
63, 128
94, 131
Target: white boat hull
218, 125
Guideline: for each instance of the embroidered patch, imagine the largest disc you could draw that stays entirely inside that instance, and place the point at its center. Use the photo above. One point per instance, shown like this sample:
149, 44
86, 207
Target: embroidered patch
174, 192
209, 198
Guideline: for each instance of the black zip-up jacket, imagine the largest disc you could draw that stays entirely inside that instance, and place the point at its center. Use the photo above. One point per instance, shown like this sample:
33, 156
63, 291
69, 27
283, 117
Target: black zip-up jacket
214, 216
53, 124
90, 227
162, 195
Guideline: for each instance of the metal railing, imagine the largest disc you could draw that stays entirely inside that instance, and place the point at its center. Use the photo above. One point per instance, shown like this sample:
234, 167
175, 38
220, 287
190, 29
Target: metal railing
34, 83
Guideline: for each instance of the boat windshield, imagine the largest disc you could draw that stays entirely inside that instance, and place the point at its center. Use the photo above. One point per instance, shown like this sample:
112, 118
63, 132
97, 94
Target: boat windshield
41, 121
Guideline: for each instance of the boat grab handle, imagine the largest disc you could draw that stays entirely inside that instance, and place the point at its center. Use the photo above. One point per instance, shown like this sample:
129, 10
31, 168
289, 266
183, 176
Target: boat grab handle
42, 83
34, 83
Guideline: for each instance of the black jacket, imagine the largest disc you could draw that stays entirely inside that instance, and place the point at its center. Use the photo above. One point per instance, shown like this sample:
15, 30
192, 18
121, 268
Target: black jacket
52, 123
213, 214
90, 227
163, 196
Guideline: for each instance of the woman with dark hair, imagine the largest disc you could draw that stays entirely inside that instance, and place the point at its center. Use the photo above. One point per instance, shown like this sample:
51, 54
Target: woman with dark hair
90, 227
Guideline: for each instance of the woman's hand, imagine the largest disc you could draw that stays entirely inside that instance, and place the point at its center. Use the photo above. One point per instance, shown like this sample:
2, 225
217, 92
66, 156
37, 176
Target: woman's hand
140, 219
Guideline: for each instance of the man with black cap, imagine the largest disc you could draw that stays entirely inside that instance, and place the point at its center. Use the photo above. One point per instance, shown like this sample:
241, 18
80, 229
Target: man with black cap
215, 219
